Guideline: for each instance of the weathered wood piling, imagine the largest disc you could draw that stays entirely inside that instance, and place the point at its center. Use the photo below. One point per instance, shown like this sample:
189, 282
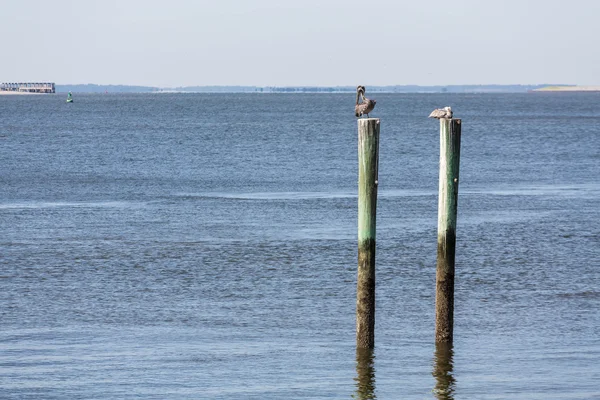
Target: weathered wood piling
447, 207
365, 374
442, 371
368, 166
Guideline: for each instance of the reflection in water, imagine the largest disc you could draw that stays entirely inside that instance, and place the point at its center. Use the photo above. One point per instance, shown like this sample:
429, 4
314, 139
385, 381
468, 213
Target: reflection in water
442, 371
365, 374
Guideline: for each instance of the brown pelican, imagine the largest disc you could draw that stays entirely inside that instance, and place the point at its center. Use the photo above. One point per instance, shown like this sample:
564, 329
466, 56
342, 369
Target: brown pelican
366, 106
445, 112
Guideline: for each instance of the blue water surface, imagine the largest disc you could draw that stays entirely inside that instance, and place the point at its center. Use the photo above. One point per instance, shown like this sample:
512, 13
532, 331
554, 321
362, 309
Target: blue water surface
203, 246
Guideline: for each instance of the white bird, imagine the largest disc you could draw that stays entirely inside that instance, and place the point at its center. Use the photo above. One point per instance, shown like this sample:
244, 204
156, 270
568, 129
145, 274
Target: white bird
440, 113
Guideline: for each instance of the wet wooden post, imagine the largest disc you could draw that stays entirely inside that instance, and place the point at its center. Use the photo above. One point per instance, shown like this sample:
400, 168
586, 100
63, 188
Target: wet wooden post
447, 206
368, 166
365, 374
442, 371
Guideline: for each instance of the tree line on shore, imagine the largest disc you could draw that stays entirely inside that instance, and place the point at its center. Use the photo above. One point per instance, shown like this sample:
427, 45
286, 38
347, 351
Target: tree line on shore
93, 88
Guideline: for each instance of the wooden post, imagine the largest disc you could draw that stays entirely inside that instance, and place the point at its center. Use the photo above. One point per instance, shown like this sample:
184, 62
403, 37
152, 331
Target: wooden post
365, 374
446, 240
442, 371
368, 166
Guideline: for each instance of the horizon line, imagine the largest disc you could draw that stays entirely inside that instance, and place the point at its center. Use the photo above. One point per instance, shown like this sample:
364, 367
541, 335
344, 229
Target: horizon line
319, 86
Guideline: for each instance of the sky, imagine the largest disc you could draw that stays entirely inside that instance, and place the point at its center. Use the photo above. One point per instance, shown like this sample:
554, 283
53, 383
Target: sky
171, 43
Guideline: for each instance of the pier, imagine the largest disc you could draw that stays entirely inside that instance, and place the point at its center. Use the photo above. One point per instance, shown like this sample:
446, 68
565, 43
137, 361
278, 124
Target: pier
28, 87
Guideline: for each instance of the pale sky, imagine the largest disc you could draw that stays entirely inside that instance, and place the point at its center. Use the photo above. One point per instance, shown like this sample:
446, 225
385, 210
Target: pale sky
310, 42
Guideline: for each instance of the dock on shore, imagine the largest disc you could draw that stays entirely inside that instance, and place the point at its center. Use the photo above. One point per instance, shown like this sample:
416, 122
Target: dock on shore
27, 87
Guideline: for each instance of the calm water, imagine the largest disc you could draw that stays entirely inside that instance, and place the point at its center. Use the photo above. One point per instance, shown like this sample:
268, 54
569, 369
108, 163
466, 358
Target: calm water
199, 246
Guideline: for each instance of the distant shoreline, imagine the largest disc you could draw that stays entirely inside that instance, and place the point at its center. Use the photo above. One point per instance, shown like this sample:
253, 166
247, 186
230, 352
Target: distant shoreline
398, 89
94, 88
568, 89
